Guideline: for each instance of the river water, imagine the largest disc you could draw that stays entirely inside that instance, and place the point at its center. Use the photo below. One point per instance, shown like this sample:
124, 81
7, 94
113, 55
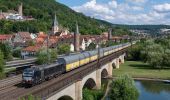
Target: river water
151, 90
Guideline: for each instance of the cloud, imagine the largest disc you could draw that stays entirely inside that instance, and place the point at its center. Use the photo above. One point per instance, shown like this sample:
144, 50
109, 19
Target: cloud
92, 8
162, 8
113, 4
137, 8
137, 1
125, 13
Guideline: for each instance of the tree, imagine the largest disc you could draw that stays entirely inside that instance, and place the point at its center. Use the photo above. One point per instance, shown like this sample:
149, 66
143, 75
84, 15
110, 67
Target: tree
1, 62
31, 43
6, 49
63, 49
42, 57
154, 55
123, 88
166, 58
91, 46
17, 52
92, 94
53, 55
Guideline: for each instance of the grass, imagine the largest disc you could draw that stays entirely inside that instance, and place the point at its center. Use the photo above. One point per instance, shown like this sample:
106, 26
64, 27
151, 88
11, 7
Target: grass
140, 69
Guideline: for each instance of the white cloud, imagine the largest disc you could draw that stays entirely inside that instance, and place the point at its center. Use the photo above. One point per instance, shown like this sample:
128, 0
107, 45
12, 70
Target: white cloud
137, 8
162, 7
92, 8
124, 13
113, 4
137, 1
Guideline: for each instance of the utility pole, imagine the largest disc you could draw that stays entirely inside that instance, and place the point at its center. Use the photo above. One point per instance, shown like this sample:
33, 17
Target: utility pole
98, 65
48, 55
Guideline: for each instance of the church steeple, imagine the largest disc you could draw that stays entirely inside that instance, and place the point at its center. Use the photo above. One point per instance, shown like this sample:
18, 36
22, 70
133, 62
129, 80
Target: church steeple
55, 25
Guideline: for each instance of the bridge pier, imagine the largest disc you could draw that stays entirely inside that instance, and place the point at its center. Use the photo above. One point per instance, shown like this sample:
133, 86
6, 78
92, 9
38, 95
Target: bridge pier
78, 90
98, 79
117, 63
122, 58
110, 69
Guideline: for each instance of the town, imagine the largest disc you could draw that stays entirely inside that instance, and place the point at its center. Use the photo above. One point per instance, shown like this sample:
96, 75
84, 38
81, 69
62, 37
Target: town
89, 50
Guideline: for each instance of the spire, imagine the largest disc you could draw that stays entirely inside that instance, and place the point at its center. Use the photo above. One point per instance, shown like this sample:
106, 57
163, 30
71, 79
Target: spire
77, 28
55, 25
55, 21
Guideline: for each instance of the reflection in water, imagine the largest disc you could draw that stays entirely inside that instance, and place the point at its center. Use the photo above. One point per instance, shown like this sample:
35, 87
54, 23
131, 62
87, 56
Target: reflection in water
153, 90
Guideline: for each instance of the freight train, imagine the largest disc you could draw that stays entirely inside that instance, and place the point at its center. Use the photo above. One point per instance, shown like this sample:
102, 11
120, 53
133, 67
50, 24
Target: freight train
38, 74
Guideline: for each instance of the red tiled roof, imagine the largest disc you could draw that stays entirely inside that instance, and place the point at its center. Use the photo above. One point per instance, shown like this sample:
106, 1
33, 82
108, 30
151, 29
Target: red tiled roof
32, 48
5, 37
25, 35
42, 35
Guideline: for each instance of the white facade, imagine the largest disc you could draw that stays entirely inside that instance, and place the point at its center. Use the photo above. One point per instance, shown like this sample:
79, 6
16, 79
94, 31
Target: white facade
14, 17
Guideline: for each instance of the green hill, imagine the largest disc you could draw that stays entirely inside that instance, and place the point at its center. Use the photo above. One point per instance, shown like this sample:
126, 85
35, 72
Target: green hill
43, 11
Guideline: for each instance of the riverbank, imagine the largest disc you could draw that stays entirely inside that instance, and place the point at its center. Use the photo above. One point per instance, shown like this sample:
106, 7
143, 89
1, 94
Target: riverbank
142, 71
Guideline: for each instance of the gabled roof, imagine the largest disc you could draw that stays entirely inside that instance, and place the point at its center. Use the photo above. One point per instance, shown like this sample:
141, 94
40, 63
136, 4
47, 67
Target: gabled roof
25, 35
32, 48
5, 37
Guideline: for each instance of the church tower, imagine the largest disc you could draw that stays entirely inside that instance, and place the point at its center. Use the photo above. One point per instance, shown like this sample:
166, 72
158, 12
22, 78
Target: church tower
20, 9
77, 39
55, 26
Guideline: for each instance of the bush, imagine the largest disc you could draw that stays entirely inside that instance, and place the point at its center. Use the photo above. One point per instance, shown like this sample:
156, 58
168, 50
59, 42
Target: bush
63, 49
17, 52
123, 88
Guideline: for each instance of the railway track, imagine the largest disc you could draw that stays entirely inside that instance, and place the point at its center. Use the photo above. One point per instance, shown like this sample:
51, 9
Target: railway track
52, 86
10, 81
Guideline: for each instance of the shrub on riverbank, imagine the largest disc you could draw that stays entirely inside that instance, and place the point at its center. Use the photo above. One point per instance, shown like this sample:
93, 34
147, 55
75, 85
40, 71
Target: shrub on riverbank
123, 88
92, 94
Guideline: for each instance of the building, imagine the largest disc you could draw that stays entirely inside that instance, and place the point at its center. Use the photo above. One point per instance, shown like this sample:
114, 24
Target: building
22, 39
14, 17
30, 50
6, 39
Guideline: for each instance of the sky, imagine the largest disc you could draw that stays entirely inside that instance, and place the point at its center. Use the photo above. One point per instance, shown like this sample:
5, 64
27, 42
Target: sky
124, 11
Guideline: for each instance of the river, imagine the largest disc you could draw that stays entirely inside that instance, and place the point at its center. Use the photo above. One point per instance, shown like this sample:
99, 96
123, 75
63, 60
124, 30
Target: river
151, 90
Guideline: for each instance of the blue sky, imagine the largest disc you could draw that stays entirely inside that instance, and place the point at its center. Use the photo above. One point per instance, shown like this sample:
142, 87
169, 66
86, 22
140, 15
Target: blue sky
124, 11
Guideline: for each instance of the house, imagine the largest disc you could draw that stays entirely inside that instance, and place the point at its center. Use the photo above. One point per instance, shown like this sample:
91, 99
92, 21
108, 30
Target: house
22, 39
30, 50
6, 39
14, 17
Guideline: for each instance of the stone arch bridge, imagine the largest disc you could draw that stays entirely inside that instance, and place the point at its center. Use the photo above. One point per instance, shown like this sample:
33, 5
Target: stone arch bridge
92, 79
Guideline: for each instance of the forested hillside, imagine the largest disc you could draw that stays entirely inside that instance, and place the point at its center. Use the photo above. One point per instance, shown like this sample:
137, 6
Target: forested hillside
43, 11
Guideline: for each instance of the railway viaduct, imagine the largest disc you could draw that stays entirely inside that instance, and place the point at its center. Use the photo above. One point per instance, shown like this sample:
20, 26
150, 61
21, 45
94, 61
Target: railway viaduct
92, 81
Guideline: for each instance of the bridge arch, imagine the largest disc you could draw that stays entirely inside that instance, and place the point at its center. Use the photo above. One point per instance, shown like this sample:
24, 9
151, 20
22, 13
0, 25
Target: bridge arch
114, 65
90, 84
104, 73
65, 97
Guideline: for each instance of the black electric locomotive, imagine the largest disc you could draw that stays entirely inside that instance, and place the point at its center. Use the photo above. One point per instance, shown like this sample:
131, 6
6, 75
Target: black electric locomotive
38, 74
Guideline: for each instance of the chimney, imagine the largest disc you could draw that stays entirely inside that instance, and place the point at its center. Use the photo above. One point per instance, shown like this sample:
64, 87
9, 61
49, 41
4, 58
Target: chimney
77, 39
110, 34
20, 10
